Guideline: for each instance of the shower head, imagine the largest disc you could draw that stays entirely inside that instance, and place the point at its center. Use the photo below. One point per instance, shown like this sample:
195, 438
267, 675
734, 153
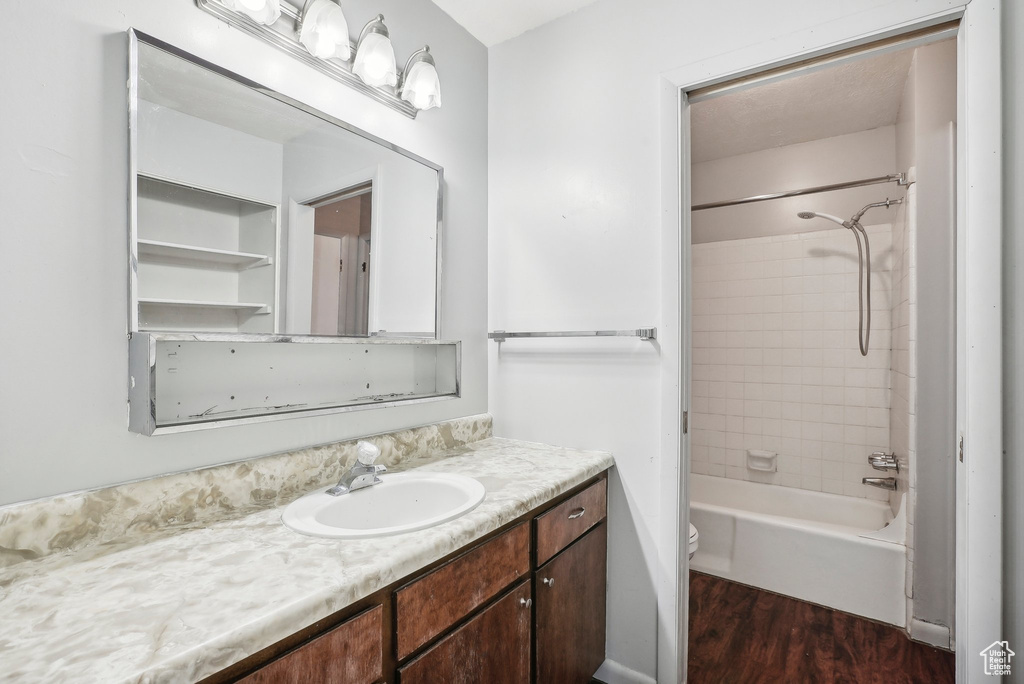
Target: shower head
827, 217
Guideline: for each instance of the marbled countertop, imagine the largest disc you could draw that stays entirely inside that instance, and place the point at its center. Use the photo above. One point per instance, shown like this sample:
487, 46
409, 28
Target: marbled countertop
176, 607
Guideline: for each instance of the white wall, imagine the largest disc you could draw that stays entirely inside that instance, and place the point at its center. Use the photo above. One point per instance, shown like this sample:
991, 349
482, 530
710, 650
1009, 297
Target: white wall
903, 394
63, 266
575, 238
776, 363
864, 154
924, 142
1013, 337
182, 147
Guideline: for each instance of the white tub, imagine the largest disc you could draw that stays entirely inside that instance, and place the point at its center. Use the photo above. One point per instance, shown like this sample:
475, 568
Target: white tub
823, 548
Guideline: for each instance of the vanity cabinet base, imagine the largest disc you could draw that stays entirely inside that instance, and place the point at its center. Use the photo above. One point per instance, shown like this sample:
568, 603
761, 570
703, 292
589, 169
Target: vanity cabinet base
488, 614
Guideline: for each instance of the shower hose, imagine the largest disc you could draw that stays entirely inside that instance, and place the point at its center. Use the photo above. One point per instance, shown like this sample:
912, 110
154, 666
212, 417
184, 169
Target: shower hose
863, 255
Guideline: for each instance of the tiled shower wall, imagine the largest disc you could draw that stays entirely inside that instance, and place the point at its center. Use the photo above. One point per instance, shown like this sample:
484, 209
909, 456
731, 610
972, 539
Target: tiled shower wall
776, 364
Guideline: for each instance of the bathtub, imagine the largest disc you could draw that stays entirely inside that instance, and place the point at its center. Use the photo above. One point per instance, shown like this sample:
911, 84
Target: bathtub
837, 551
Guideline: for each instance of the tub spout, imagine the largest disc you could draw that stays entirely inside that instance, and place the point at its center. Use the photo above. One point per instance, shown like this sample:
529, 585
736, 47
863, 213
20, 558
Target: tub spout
883, 482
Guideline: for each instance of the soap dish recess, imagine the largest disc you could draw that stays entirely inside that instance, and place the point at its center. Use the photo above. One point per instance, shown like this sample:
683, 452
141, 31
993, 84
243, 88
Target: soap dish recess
764, 461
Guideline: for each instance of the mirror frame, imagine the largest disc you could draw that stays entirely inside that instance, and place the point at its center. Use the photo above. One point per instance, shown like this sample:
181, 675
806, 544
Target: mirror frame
134, 38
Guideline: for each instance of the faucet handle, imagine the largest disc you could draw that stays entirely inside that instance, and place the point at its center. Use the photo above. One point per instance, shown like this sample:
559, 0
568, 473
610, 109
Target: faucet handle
880, 460
367, 453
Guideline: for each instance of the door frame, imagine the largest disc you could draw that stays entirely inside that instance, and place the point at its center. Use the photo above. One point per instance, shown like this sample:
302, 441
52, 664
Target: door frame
374, 176
979, 321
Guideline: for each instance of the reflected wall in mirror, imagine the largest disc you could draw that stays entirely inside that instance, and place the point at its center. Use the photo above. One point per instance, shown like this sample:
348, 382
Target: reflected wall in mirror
256, 214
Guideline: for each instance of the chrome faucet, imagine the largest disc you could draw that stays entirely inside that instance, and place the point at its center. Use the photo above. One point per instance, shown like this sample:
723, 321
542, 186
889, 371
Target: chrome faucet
363, 473
883, 482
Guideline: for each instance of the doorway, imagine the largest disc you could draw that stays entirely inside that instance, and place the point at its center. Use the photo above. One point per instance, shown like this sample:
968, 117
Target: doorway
823, 354
341, 262
978, 325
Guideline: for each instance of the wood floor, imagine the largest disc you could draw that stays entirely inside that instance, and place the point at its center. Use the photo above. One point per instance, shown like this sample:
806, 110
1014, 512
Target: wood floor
740, 635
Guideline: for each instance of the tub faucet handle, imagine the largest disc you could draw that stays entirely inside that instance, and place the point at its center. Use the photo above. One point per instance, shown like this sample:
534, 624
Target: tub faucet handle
880, 460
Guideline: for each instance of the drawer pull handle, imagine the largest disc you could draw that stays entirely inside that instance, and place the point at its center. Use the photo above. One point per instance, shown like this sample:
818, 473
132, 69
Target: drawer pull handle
550, 581
525, 603
578, 513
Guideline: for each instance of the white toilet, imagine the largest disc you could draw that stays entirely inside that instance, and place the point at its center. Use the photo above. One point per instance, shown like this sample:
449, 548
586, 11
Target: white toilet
693, 540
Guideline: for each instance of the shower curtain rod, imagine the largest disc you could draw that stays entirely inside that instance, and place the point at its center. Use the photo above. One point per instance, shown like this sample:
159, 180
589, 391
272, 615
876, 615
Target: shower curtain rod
891, 178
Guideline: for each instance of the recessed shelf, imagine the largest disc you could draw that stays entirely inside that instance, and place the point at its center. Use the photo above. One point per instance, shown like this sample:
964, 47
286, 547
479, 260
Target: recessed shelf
250, 307
182, 381
189, 253
204, 259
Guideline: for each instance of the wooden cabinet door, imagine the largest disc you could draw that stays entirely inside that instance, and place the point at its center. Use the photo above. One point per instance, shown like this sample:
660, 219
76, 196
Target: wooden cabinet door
492, 648
432, 604
570, 595
351, 653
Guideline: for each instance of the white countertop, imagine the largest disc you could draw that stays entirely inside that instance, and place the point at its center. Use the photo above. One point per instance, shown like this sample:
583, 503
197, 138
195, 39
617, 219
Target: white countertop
180, 607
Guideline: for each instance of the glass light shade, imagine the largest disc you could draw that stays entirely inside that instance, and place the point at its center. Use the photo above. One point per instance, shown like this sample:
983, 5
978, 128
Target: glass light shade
375, 61
261, 11
422, 88
324, 30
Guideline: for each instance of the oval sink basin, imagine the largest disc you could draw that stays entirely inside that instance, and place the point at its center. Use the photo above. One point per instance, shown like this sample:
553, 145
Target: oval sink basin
403, 502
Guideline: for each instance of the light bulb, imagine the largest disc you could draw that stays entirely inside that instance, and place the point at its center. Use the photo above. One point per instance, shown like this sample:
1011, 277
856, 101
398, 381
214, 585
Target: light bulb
261, 11
419, 100
376, 66
324, 30
324, 47
420, 86
375, 61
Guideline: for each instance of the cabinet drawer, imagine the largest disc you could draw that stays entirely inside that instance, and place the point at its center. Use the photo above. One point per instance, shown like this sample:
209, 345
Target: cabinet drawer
435, 602
351, 653
564, 523
493, 647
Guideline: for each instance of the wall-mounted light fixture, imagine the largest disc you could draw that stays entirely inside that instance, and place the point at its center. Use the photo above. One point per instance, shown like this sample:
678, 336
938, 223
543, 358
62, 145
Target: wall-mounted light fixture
317, 34
420, 86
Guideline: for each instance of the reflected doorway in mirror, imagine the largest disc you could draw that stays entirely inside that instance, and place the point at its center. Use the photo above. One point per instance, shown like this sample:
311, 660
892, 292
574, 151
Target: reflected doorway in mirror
341, 261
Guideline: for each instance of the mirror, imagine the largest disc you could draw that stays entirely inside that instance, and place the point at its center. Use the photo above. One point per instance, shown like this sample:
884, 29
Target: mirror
253, 213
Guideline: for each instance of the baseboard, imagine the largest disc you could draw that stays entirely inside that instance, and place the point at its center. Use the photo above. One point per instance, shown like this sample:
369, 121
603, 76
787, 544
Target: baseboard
612, 672
930, 633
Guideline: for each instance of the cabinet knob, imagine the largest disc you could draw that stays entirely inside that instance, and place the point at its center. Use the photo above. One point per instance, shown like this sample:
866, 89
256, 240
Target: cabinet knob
577, 513
525, 603
550, 581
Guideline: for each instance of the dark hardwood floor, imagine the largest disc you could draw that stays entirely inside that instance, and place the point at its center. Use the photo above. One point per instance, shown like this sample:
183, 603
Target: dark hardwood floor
739, 634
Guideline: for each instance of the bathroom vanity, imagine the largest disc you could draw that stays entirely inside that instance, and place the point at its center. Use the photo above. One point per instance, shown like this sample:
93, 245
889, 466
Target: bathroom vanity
483, 614
194, 577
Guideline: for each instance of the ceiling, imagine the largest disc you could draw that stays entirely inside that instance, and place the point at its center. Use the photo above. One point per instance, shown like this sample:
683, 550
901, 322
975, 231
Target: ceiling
858, 95
495, 21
